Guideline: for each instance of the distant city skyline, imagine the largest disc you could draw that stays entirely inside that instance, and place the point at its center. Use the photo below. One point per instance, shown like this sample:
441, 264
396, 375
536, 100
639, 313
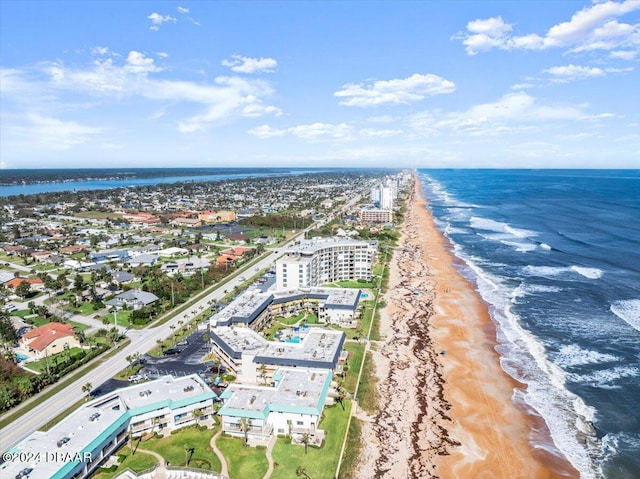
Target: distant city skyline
461, 84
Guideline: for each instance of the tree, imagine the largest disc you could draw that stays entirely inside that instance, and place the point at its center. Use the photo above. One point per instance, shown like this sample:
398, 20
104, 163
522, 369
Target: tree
86, 388
305, 439
197, 414
263, 372
301, 472
244, 427
23, 289
78, 283
187, 452
341, 396
7, 331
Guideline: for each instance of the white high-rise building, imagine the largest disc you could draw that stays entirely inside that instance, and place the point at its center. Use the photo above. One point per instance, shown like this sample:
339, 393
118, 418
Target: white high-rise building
325, 260
386, 200
376, 194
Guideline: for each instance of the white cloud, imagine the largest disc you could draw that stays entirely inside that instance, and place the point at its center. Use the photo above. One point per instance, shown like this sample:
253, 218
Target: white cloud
567, 73
265, 131
102, 51
139, 63
157, 20
183, 10
378, 133
242, 64
514, 112
592, 28
53, 133
624, 54
322, 131
572, 72
522, 86
54, 85
312, 132
398, 91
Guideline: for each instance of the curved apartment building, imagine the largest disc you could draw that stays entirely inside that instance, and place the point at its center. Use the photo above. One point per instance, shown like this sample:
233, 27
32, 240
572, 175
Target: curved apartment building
325, 260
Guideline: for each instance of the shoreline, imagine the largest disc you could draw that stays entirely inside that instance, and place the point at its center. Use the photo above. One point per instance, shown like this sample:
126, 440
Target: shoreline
445, 405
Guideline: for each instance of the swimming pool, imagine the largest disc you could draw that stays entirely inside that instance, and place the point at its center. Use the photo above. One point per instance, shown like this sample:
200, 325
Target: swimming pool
21, 357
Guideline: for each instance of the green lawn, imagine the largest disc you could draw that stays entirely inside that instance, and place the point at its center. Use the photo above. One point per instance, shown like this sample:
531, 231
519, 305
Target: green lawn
355, 361
243, 462
367, 393
319, 463
352, 450
355, 284
172, 448
38, 321
41, 365
137, 462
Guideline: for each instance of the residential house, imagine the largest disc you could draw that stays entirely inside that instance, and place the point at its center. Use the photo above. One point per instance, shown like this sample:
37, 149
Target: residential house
142, 260
49, 339
134, 299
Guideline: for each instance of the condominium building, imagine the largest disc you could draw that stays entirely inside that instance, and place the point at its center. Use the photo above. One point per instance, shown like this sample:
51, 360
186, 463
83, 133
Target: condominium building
254, 359
325, 260
376, 215
77, 445
292, 405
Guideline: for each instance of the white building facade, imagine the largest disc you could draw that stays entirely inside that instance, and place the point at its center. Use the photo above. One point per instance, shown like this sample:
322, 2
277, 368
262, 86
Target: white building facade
325, 260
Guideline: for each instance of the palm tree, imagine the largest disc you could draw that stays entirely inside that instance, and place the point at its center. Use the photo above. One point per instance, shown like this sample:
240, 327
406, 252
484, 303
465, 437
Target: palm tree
301, 471
305, 439
86, 388
263, 372
187, 450
244, 427
197, 414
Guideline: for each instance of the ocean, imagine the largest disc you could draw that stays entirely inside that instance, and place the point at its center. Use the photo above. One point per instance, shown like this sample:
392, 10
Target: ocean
556, 255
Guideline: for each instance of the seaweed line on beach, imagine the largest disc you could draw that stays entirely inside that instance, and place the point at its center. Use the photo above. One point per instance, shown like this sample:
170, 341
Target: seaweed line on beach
408, 426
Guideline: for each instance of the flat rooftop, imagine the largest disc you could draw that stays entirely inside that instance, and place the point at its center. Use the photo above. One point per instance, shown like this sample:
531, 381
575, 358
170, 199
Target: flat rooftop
310, 246
296, 391
96, 418
244, 308
317, 347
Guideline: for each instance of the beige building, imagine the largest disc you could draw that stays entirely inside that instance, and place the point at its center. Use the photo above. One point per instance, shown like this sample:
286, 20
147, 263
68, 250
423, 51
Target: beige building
50, 339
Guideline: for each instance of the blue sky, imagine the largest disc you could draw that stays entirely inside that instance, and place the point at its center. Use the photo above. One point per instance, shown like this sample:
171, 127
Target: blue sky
314, 83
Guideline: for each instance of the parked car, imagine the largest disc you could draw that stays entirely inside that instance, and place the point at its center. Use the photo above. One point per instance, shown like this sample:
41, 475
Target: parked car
171, 351
183, 343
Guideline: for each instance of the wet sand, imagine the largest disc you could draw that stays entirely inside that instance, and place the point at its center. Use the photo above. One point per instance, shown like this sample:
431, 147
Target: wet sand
445, 406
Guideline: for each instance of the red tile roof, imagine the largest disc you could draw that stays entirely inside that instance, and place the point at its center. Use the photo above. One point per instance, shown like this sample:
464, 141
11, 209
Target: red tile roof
14, 283
43, 336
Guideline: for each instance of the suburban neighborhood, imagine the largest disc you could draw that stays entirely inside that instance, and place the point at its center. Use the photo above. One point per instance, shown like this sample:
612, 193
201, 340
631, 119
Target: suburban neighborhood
267, 289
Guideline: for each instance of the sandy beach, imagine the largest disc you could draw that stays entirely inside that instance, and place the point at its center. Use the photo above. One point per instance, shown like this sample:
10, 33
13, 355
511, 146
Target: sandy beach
445, 405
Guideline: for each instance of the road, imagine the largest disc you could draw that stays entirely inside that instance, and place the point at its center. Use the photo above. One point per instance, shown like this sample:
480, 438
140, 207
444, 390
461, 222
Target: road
141, 342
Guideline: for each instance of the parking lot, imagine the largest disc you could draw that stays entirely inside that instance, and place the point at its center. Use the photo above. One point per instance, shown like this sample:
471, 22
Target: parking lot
187, 361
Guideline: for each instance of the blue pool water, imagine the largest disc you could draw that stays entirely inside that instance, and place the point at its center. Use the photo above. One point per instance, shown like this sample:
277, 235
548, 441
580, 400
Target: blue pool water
21, 357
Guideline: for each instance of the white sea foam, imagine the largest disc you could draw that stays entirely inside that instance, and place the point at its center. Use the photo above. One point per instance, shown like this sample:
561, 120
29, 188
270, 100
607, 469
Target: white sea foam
521, 247
480, 223
525, 358
629, 311
555, 271
573, 355
605, 377
591, 273
545, 246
